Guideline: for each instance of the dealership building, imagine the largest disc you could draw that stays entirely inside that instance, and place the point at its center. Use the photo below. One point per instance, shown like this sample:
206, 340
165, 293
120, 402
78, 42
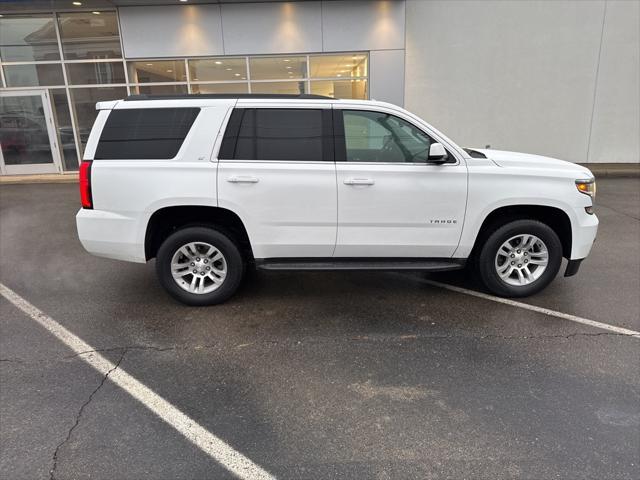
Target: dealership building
557, 78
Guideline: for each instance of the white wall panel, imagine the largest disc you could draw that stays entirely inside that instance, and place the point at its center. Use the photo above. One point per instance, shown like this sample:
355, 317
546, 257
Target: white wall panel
171, 31
362, 25
615, 135
516, 75
262, 28
386, 76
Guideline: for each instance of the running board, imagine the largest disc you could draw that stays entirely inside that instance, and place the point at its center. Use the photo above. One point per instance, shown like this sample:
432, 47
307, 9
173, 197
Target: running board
320, 264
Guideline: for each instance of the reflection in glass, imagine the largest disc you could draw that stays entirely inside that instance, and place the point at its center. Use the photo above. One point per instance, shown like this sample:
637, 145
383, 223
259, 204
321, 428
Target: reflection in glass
26, 38
84, 104
356, 89
86, 35
159, 89
65, 130
332, 66
268, 68
218, 69
295, 88
33, 75
157, 71
92, 73
23, 130
220, 88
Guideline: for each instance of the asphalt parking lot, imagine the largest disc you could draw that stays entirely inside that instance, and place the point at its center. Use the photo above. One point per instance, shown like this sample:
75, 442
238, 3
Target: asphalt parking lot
317, 375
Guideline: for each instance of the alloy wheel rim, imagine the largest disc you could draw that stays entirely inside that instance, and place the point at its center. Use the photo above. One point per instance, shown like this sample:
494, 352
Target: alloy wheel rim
198, 267
521, 260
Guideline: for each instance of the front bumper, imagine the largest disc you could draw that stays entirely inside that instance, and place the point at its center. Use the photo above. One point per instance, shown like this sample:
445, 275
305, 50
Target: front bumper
572, 267
584, 232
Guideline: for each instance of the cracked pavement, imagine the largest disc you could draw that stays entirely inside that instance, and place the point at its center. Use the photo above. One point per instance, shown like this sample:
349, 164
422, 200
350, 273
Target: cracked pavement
52, 473
317, 375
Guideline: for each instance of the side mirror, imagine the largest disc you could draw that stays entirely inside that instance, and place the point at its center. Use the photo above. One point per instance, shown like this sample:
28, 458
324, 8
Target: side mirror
437, 153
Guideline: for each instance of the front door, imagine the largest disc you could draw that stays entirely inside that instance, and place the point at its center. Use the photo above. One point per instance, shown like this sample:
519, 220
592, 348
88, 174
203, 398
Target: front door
27, 133
391, 201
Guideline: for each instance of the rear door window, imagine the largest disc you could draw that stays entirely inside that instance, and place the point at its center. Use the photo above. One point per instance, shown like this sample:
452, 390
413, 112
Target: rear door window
145, 133
289, 134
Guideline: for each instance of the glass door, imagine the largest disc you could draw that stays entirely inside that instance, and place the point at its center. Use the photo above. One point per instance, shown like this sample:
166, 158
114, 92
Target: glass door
27, 133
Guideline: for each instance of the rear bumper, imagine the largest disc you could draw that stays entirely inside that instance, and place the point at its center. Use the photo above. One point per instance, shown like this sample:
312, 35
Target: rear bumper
110, 235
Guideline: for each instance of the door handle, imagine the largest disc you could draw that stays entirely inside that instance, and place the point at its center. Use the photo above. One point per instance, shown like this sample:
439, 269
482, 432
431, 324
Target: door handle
359, 181
242, 179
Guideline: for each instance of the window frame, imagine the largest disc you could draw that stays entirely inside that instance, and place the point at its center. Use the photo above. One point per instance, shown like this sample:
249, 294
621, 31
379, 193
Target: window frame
340, 144
228, 146
65, 41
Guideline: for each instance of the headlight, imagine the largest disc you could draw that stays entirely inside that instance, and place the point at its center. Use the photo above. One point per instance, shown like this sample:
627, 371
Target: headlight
588, 187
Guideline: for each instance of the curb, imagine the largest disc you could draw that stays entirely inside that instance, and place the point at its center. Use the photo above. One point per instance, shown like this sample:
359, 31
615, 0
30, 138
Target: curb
48, 178
613, 170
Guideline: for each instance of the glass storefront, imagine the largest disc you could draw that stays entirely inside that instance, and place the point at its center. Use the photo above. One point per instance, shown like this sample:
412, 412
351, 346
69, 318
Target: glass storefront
76, 59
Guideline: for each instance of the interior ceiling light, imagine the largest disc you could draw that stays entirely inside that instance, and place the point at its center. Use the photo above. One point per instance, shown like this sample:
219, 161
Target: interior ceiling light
218, 62
77, 4
149, 64
96, 13
228, 69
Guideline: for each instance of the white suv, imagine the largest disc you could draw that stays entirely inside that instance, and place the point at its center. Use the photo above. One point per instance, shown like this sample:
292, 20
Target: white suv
209, 184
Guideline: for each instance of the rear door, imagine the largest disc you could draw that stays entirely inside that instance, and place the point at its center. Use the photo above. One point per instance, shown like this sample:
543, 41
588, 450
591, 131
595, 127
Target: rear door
391, 201
276, 171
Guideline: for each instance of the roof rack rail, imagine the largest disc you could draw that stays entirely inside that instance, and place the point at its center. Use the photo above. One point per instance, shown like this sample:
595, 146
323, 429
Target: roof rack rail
227, 96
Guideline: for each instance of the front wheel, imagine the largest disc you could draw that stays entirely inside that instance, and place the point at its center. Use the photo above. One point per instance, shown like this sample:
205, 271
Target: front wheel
199, 266
520, 258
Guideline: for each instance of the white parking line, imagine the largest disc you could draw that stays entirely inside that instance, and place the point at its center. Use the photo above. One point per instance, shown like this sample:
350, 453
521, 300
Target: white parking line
213, 446
533, 308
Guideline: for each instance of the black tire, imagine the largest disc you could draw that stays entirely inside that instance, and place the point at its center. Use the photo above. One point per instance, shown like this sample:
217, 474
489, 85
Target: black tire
486, 260
222, 242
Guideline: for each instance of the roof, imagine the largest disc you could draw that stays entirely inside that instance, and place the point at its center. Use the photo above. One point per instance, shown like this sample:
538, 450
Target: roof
202, 100
228, 96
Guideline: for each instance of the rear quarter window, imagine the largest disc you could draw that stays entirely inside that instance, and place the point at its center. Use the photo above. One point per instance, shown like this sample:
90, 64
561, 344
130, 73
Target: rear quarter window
144, 133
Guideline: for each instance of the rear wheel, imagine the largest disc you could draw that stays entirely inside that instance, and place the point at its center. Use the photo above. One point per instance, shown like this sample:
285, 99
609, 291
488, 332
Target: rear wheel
520, 258
199, 266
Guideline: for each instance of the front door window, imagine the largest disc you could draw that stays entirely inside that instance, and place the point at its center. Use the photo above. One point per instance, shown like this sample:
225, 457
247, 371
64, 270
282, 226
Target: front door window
381, 137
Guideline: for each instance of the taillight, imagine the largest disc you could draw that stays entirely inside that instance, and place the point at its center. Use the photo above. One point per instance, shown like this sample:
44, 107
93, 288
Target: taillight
85, 184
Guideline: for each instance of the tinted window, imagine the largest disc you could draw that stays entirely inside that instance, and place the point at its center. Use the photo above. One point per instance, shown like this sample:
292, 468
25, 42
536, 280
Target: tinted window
381, 137
152, 133
278, 134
